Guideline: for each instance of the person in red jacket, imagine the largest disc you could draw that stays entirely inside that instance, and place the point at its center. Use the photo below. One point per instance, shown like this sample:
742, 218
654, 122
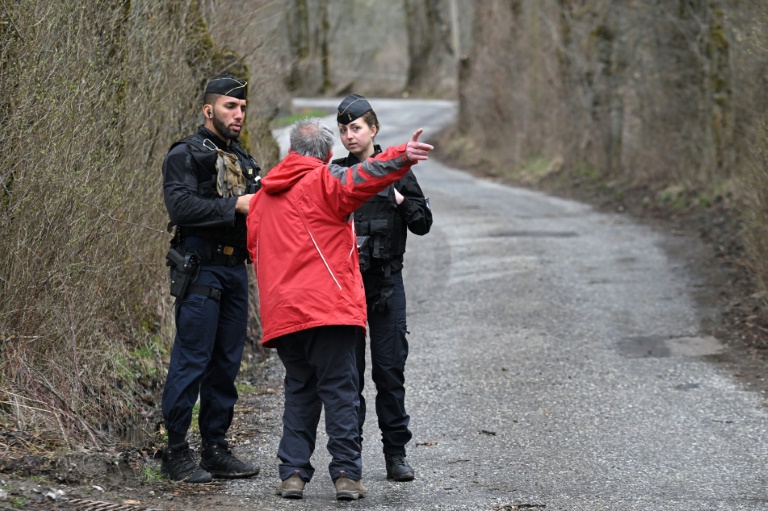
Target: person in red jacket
302, 242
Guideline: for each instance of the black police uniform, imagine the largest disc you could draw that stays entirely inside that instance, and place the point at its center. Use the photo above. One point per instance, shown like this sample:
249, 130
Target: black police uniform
211, 318
386, 224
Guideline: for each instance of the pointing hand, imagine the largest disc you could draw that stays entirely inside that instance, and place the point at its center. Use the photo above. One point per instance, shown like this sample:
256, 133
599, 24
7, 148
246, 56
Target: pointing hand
415, 150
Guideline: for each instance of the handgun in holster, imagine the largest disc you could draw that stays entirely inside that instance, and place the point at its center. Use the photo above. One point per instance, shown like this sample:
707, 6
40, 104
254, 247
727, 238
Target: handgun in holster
184, 269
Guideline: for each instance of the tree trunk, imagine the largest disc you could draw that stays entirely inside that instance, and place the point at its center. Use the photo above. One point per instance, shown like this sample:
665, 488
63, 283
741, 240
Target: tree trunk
430, 45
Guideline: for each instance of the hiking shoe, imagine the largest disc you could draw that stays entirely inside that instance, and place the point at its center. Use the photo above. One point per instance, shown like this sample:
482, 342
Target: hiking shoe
220, 462
179, 465
347, 489
398, 467
291, 488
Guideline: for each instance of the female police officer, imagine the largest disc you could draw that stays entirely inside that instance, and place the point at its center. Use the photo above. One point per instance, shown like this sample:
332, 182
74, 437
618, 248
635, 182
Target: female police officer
384, 220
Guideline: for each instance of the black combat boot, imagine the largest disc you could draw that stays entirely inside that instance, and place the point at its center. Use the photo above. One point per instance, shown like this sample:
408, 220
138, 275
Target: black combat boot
398, 467
220, 462
179, 465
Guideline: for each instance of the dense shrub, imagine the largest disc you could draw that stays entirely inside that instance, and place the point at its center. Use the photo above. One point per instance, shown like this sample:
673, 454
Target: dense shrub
92, 95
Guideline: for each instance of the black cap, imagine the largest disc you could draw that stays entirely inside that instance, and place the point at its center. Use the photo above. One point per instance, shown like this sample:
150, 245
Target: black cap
227, 85
351, 108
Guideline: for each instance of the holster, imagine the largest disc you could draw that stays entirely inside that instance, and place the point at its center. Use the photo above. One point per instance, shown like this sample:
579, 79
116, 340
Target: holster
184, 270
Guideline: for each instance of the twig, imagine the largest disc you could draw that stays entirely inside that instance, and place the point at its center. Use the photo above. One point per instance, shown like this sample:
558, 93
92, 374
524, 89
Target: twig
63, 430
105, 213
72, 414
16, 405
10, 403
71, 313
18, 32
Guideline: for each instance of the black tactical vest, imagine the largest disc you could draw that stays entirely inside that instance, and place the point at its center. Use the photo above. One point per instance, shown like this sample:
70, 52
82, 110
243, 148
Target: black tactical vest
380, 220
204, 153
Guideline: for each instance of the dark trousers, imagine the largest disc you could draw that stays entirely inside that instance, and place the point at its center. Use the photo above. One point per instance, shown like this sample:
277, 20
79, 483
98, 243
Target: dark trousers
389, 350
320, 372
206, 355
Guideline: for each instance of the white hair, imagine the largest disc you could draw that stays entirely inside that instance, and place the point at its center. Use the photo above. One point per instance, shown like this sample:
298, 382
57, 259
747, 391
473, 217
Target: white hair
311, 137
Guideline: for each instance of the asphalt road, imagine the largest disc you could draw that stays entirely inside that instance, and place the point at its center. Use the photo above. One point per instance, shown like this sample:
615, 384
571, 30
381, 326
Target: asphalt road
557, 362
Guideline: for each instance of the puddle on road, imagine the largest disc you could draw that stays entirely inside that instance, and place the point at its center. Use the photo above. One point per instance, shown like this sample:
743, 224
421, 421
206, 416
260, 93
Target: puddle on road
663, 347
687, 386
533, 234
137, 435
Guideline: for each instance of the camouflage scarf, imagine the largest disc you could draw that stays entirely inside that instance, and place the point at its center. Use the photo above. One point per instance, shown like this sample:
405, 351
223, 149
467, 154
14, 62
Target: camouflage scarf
230, 180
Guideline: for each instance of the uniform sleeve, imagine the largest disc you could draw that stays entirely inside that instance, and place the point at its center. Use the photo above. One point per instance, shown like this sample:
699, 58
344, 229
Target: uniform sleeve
414, 208
182, 189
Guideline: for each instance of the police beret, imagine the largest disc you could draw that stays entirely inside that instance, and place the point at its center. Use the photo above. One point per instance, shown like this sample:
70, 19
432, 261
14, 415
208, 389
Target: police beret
227, 85
351, 108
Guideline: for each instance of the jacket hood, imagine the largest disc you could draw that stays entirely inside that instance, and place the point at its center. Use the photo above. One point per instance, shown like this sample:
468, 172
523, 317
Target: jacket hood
288, 172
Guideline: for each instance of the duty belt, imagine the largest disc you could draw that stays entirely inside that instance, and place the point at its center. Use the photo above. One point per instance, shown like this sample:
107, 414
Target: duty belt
226, 255
218, 254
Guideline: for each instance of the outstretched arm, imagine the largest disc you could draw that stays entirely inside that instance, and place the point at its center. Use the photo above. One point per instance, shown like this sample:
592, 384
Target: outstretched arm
363, 180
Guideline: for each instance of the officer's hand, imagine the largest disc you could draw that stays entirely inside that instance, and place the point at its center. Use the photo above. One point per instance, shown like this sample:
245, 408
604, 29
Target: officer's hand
398, 197
243, 203
415, 150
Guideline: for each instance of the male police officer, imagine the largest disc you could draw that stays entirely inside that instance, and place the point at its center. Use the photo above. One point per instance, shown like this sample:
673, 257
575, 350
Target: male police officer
208, 181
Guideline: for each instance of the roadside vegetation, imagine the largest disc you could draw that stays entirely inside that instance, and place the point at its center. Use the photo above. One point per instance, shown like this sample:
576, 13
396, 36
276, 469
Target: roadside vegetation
288, 120
93, 94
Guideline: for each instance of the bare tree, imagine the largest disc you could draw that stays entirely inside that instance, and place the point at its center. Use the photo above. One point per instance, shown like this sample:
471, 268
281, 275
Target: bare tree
431, 53
308, 28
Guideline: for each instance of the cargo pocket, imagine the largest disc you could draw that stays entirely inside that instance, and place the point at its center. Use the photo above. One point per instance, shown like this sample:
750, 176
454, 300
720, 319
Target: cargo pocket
196, 320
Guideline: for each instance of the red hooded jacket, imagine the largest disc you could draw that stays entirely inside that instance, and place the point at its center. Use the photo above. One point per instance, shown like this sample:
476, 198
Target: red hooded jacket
301, 239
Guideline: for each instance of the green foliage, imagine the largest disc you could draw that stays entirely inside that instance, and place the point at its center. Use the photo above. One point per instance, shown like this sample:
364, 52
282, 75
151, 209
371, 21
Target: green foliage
18, 502
152, 476
588, 172
245, 389
287, 120
538, 167
194, 427
674, 196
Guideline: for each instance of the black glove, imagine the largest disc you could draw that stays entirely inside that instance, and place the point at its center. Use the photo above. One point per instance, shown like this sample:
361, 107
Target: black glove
383, 300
